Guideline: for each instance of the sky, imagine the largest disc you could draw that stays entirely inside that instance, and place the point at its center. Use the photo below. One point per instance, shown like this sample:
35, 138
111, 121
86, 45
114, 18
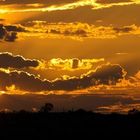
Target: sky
73, 53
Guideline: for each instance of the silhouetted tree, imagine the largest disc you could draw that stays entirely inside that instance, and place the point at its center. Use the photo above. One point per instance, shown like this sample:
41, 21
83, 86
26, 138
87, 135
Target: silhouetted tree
81, 111
48, 107
22, 111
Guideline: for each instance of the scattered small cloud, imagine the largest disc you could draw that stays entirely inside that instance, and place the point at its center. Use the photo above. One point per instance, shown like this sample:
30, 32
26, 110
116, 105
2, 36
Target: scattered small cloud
77, 30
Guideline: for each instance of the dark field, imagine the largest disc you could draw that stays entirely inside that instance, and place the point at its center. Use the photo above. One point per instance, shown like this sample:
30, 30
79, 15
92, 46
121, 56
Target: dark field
68, 125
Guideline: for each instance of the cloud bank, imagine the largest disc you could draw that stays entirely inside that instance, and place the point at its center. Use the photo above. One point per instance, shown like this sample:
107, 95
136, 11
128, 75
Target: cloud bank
77, 30
105, 74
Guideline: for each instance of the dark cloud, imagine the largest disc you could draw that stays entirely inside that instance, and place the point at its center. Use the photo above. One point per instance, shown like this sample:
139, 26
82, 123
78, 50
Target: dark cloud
75, 63
9, 32
7, 35
11, 37
77, 32
23, 81
105, 74
3, 32
47, 2
8, 60
15, 28
1, 19
54, 31
91, 16
123, 29
111, 1
66, 29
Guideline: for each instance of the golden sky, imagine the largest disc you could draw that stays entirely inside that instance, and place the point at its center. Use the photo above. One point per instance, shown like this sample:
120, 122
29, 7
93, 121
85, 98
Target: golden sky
70, 46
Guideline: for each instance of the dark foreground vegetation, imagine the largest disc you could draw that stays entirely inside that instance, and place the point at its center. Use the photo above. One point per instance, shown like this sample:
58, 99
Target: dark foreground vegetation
45, 124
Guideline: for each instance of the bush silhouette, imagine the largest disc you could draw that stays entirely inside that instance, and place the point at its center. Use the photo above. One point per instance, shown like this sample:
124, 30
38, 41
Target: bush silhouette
48, 107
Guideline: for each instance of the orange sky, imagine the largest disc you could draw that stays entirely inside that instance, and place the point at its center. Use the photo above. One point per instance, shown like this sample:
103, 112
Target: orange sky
64, 46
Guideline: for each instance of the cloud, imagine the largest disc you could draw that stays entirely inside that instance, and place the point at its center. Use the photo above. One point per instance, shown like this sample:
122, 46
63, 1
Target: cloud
1, 19
48, 2
8, 60
105, 74
57, 67
124, 29
3, 32
138, 75
22, 81
136, 79
38, 6
110, 4
11, 37
90, 16
94, 102
73, 30
69, 64
75, 63
9, 33
119, 108
15, 28
77, 30
111, 1
54, 5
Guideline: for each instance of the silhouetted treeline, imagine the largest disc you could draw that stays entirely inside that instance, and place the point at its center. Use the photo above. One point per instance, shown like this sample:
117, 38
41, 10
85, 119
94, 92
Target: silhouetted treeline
47, 124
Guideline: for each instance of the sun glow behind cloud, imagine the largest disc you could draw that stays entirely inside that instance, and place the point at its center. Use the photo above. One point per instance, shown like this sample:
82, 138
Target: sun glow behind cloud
15, 78
69, 64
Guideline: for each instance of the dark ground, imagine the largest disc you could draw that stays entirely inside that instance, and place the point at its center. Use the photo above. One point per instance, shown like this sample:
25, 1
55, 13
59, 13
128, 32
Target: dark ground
68, 125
